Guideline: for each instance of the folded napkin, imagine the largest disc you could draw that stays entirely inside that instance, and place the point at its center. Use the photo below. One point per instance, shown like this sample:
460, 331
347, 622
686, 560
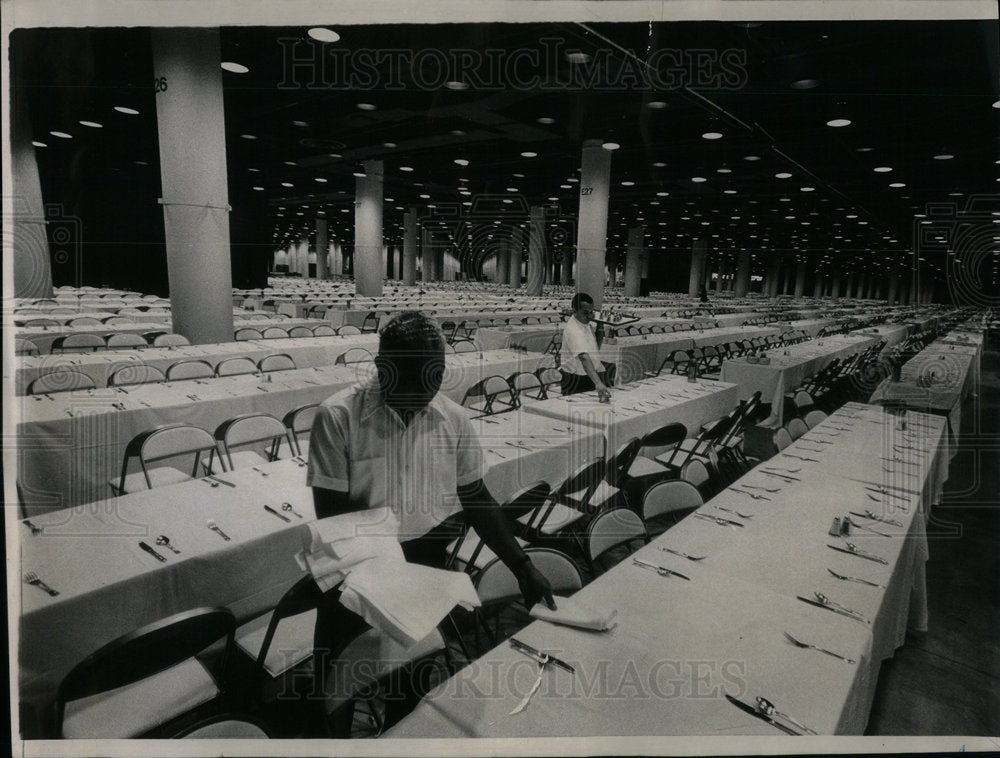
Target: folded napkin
572, 612
405, 601
333, 546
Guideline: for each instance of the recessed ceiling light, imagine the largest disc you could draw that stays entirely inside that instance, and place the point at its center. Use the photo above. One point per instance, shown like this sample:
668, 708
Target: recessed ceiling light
838, 122
512, 189
575, 56
546, 120
712, 135
611, 146
322, 34
882, 169
258, 189
36, 143
365, 106
996, 104
661, 164
141, 163
783, 175
235, 68
127, 111
406, 168
723, 171
806, 189
729, 192
698, 179
628, 184
518, 176
897, 185
662, 194
61, 135
565, 186
656, 105
461, 162
943, 157
426, 197
805, 84
291, 163
92, 124
456, 85
751, 157
529, 154
954, 194
389, 144
287, 184
248, 136
553, 199
253, 170
321, 180
458, 132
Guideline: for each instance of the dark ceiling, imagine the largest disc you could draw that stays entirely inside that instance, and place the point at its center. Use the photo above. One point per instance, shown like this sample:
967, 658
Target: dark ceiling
476, 92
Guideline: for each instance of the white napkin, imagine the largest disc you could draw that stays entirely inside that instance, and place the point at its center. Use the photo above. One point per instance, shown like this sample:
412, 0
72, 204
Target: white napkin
403, 600
335, 545
571, 612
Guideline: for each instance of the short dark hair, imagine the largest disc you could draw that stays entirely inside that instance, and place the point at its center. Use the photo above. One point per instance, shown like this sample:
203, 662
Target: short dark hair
579, 298
411, 332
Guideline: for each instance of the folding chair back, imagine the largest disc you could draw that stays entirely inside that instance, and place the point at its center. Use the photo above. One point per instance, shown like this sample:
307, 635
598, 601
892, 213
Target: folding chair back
621, 462
274, 333
323, 330
670, 497
782, 438
170, 340
125, 341
796, 428
235, 367
60, 380
276, 362
251, 429
612, 529
84, 321
138, 373
25, 347
300, 331
488, 392
353, 355
80, 342
297, 421
246, 333
814, 417
660, 440
526, 384
346, 329
190, 370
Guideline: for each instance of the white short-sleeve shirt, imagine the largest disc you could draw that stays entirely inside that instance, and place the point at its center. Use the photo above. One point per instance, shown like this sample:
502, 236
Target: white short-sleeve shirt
361, 447
578, 338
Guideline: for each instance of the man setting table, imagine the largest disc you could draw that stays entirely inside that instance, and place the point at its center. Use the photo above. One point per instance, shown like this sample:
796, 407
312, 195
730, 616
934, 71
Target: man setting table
395, 442
579, 357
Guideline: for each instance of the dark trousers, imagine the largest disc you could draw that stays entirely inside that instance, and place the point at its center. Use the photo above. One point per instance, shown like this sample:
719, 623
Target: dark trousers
573, 384
336, 627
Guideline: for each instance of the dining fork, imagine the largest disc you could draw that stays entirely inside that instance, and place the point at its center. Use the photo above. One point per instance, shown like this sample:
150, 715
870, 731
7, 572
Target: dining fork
749, 494
683, 555
32, 578
799, 643
766, 489
731, 510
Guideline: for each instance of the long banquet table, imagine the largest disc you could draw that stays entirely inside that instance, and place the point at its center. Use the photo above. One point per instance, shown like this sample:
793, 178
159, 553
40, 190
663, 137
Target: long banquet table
784, 372
680, 646
70, 444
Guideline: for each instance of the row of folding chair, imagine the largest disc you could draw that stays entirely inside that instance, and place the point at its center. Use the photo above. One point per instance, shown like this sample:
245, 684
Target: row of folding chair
277, 332
66, 379
93, 342
497, 394
240, 442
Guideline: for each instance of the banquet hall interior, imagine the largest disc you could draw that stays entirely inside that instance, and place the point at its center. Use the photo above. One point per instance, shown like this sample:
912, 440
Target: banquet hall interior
784, 519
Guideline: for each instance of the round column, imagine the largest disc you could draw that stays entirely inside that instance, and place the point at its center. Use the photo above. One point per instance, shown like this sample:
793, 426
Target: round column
699, 259
633, 261
410, 248
368, 268
743, 274
537, 258
592, 220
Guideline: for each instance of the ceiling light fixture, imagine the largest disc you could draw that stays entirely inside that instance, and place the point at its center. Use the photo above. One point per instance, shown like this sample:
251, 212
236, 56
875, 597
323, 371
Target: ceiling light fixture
92, 124
456, 85
712, 135
837, 123
943, 157
38, 144
882, 169
751, 157
322, 34
248, 136
529, 154
805, 84
546, 120
461, 162
406, 168
782, 175
897, 185
576, 56
234, 68
698, 179
61, 135
127, 111
610, 145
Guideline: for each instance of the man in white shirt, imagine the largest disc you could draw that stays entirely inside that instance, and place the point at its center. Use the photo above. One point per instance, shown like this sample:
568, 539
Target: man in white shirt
579, 359
395, 442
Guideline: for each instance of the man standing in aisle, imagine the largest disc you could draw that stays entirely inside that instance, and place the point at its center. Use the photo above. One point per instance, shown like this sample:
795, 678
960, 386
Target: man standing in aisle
395, 442
580, 363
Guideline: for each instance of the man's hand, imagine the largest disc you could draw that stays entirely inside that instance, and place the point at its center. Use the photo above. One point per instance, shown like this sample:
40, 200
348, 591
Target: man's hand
534, 586
603, 393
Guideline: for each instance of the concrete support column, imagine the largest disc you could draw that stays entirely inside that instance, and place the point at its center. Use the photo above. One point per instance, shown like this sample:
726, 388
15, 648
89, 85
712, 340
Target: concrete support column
592, 226
28, 247
612, 258
742, 274
410, 248
819, 284
537, 255
514, 256
503, 265
772, 281
835, 284
633, 261
800, 279
427, 257
322, 246
190, 122
368, 266
566, 267
699, 259
390, 262
893, 288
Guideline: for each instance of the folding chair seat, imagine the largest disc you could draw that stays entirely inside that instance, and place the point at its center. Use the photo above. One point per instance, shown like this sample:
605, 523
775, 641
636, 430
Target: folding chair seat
346, 329
565, 506
814, 417
192, 369
616, 528
300, 331
25, 347
79, 343
162, 443
323, 330
276, 362
235, 367
138, 373
464, 346
125, 341
262, 431
145, 682
486, 396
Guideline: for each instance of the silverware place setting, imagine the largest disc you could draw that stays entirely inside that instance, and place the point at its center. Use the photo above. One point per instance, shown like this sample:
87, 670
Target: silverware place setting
32, 578
767, 708
215, 528
754, 495
661, 570
683, 555
287, 507
806, 645
757, 487
733, 511
856, 579
164, 541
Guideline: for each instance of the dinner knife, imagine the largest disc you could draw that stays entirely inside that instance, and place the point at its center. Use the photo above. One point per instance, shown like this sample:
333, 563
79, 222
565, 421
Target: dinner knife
719, 519
660, 569
859, 553
869, 515
762, 716
152, 552
282, 516
539, 656
835, 609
